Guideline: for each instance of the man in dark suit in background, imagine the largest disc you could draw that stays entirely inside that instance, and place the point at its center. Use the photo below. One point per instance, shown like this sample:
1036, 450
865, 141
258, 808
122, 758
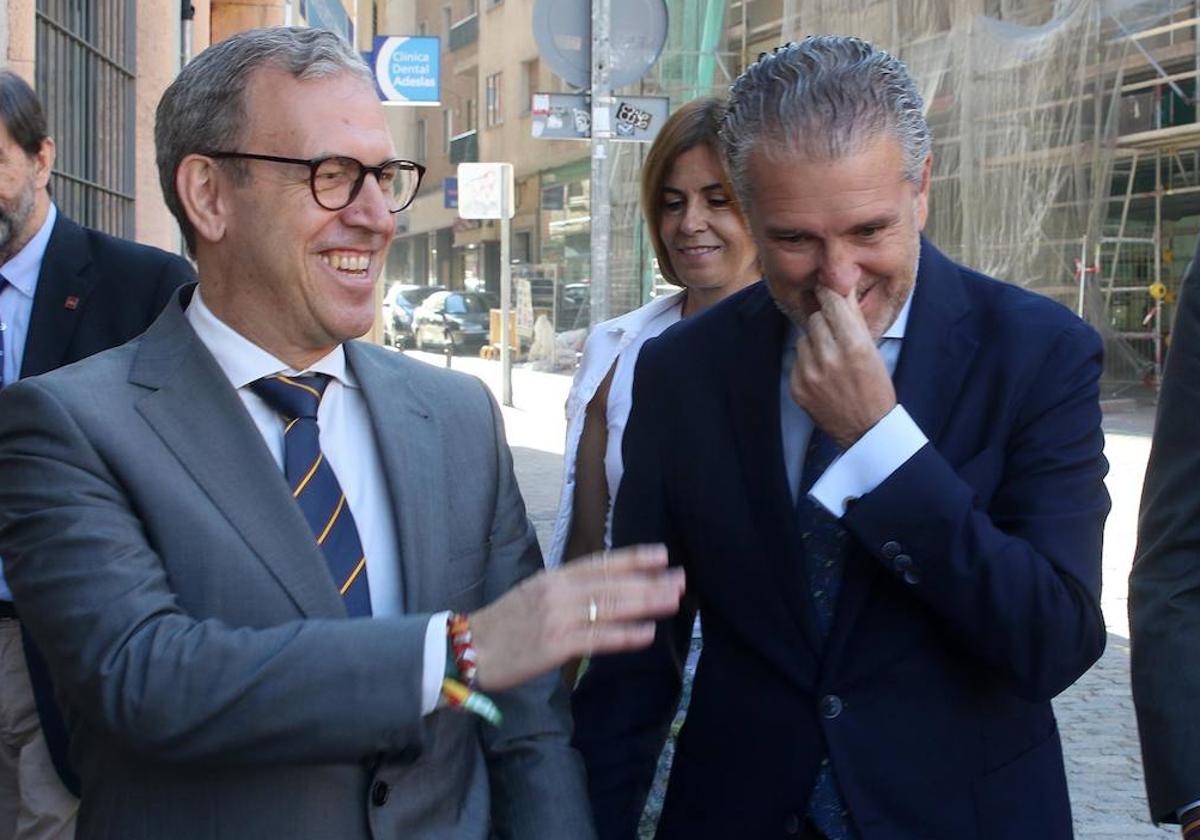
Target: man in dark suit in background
66, 292
1164, 586
880, 645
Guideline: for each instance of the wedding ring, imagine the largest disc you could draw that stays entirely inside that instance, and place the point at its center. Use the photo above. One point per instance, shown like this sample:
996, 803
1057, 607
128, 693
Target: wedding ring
593, 610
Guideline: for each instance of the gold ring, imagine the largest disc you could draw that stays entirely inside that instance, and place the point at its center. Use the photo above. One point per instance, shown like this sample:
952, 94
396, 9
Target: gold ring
593, 611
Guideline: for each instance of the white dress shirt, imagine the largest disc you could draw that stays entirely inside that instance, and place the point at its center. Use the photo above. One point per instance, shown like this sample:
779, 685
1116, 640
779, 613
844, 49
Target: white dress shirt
349, 446
16, 308
874, 457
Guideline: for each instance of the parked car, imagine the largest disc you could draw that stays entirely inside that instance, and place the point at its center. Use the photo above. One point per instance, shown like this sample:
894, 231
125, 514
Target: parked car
574, 306
452, 319
398, 304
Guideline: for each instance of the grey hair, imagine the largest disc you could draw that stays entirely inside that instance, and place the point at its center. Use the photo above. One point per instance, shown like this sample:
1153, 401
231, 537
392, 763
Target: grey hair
824, 98
204, 109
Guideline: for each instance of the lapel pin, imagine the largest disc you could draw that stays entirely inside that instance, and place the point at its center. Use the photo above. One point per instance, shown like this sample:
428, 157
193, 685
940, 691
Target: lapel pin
72, 302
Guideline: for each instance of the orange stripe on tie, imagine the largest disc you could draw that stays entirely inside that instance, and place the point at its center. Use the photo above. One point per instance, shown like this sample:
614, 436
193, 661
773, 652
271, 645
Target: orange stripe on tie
362, 564
329, 526
300, 385
311, 472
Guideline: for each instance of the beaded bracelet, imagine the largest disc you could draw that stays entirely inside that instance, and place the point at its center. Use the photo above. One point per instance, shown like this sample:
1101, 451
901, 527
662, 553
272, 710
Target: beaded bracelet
459, 685
1189, 822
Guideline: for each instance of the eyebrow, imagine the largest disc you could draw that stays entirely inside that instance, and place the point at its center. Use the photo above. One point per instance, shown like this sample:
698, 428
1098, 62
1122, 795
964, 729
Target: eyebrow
716, 185
882, 221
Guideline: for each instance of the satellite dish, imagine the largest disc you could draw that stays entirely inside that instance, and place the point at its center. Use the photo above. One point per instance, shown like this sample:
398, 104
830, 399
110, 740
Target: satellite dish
563, 31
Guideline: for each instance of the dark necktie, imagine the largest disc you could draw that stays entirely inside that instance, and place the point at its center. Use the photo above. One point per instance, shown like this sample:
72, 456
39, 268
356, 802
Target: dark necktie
314, 485
825, 544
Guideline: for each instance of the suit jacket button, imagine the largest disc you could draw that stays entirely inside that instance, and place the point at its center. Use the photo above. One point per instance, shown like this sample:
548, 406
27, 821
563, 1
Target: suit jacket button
902, 563
791, 825
831, 706
890, 549
379, 794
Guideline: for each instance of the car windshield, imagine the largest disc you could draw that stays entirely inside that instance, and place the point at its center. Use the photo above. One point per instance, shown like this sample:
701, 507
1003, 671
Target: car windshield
466, 304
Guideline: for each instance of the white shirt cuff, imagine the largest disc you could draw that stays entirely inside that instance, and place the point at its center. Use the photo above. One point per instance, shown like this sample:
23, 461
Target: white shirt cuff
434, 669
868, 463
1179, 814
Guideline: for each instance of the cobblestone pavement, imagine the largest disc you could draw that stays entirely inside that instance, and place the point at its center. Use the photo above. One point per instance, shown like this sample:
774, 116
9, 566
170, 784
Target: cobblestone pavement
1096, 718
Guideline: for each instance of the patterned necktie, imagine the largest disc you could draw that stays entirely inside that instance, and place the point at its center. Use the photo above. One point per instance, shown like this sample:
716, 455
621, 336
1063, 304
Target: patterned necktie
315, 486
825, 545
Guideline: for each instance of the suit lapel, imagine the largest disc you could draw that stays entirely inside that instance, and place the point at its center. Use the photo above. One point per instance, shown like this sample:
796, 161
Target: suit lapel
199, 416
937, 352
409, 440
752, 377
64, 285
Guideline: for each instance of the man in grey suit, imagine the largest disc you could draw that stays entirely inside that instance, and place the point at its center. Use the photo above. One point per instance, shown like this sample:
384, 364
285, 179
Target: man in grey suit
249, 546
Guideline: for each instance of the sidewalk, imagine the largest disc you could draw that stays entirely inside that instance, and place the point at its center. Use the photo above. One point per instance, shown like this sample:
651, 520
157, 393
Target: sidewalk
1095, 715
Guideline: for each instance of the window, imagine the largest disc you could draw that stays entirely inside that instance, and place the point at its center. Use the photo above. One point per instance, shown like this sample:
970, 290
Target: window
447, 21
447, 129
529, 84
422, 142
469, 108
494, 101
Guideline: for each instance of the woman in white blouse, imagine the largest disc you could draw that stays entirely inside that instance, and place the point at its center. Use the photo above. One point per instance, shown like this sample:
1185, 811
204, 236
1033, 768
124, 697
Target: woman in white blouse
704, 246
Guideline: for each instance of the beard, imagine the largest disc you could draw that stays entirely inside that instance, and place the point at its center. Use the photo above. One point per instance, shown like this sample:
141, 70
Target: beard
14, 218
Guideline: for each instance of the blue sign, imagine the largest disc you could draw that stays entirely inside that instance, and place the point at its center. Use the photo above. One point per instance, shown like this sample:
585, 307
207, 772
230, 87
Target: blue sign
408, 69
450, 193
328, 14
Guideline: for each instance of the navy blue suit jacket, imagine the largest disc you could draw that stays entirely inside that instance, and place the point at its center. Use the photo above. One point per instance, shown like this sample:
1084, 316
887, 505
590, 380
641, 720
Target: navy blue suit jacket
971, 600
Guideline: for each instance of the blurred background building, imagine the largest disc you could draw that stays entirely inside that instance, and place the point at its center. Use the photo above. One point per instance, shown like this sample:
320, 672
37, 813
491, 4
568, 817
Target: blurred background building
1066, 140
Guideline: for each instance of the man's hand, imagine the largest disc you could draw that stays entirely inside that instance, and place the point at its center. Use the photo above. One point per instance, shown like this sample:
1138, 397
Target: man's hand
839, 377
599, 604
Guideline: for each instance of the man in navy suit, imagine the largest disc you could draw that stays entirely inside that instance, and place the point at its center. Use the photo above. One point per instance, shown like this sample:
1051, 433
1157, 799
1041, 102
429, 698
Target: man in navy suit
883, 473
66, 292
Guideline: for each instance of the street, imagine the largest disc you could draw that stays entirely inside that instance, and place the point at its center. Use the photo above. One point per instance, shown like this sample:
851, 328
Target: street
1096, 718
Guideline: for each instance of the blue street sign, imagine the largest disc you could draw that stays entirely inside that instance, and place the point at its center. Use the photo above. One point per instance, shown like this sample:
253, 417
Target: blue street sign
407, 69
450, 193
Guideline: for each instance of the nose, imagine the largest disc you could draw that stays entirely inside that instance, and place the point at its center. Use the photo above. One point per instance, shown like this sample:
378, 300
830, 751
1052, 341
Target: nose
370, 209
695, 217
838, 270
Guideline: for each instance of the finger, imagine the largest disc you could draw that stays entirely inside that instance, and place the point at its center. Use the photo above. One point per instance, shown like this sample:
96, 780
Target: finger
632, 598
843, 314
629, 559
617, 637
821, 337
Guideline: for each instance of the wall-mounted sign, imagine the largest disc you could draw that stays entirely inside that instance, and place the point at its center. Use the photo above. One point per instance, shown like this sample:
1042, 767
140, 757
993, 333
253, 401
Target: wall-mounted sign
407, 69
450, 193
485, 190
568, 116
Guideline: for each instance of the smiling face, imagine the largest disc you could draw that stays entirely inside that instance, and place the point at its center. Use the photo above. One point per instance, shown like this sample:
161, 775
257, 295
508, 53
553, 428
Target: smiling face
710, 247
291, 276
852, 224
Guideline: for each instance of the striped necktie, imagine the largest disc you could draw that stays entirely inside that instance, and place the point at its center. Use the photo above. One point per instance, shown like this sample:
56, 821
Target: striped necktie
314, 485
825, 545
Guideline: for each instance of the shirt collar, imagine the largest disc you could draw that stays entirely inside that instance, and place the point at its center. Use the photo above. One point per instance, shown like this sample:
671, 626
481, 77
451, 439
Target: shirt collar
245, 362
22, 270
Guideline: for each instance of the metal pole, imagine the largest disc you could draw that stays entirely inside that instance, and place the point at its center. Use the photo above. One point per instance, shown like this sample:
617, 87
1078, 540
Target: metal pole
505, 299
601, 210
1082, 274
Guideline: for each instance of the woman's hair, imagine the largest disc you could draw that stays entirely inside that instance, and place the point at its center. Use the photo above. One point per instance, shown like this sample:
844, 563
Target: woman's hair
696, 123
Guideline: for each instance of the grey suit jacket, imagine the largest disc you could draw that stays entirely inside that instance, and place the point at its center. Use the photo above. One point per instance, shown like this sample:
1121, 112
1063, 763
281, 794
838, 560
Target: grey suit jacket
212, 682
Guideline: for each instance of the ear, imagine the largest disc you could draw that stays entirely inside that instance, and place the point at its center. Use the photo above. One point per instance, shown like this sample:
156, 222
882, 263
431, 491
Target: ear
43, 163
923, 192
200, 184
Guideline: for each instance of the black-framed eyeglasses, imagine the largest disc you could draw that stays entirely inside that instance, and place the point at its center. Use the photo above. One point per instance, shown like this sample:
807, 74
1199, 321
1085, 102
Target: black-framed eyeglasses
336, 180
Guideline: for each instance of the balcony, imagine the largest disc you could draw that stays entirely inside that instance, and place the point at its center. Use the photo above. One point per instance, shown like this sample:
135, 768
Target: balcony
464, 33
464, 148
